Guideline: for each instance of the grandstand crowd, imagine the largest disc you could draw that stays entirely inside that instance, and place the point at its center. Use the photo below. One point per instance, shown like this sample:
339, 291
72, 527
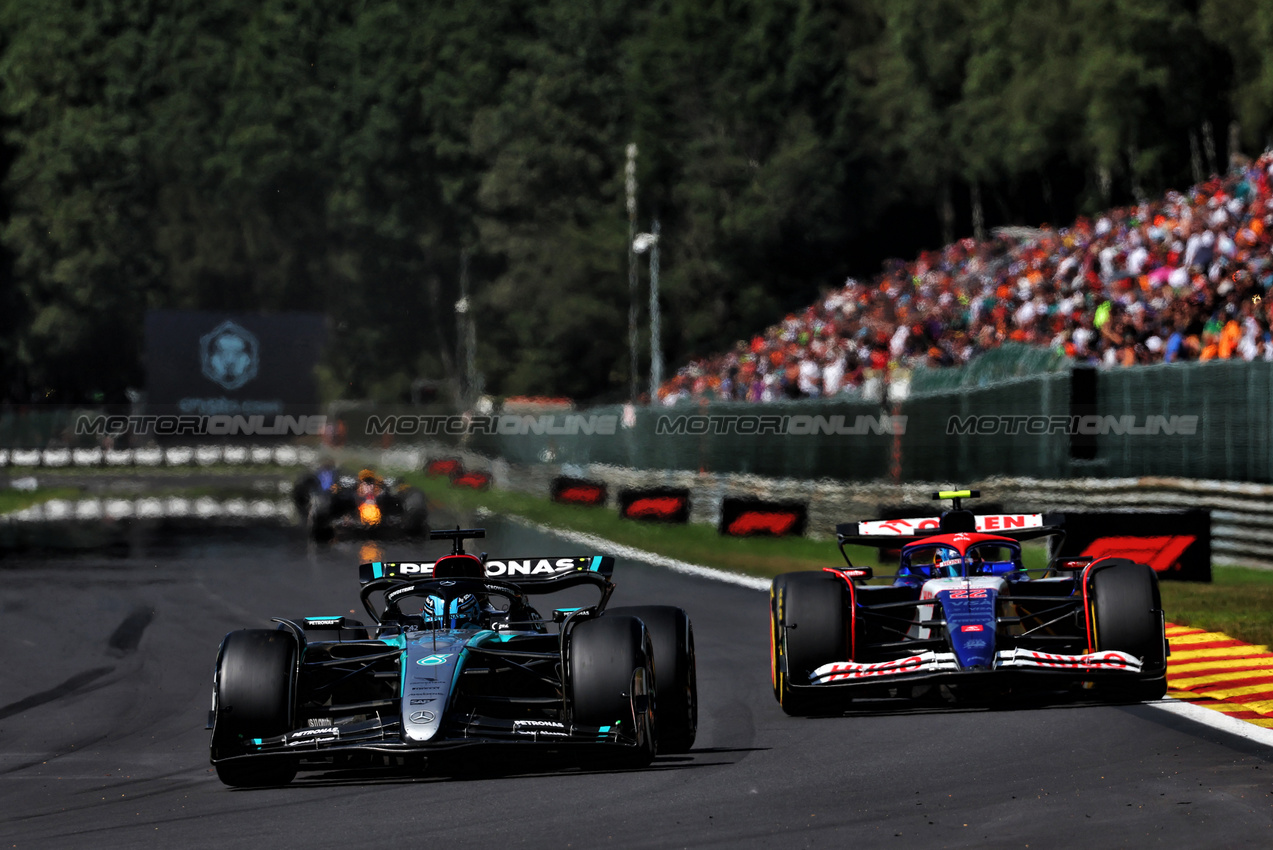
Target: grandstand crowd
1183, 278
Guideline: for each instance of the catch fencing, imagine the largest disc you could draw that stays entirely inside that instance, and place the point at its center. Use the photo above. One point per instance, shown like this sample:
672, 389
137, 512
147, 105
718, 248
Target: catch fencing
1049, 421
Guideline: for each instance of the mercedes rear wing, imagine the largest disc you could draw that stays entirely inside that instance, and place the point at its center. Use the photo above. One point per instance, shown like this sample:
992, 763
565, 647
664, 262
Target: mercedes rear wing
521, 571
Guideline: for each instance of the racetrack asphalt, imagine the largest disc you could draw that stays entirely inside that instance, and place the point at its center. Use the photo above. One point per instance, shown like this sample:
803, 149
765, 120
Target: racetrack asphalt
107, 671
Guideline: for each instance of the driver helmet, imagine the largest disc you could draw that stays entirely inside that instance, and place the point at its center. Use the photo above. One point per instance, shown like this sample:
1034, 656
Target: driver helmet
465, 612
941, 561
976, 563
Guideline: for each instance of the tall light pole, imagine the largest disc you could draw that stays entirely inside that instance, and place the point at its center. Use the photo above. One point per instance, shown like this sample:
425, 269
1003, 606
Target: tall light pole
642, 243
466, 331
631, 184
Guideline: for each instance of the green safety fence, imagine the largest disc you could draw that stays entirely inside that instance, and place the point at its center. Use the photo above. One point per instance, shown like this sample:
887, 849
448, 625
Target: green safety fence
1011, 413
1016, 411
1223, 408
846, 439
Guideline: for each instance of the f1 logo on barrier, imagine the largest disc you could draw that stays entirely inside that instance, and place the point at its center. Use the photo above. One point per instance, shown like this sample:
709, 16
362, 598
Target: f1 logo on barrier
1161, 553
578, 491
665, 504
1176, 544
448, 467
472, 481
753, 517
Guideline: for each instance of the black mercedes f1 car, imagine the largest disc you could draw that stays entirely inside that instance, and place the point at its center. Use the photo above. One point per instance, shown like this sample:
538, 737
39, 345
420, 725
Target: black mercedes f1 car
457, 660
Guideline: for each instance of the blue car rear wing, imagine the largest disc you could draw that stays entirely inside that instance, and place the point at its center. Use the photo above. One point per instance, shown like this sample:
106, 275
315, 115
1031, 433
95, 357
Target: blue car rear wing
518, 570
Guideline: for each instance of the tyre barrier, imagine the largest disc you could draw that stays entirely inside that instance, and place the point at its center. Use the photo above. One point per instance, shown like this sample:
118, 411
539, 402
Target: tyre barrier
176, 456
270, 511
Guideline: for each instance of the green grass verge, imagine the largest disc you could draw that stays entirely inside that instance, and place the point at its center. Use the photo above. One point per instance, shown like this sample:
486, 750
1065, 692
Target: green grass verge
697, 544
16, 500
1238, 602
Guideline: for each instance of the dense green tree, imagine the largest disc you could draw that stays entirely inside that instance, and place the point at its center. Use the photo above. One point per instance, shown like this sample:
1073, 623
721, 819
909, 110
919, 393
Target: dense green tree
79, 189
1242, 30
748, 120
352, 159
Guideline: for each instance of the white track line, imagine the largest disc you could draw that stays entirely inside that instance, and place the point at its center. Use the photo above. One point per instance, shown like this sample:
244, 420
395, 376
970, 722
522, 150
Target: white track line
1217, 720
608, 547
1206, 716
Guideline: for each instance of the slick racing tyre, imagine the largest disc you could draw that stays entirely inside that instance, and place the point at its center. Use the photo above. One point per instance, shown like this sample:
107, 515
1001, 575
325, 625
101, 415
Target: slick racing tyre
254, 700
806, 631
1127, 617
612, 681
676, 679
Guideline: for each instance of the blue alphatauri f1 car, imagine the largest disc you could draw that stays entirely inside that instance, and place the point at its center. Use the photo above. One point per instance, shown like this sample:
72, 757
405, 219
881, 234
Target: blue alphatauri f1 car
457, 660
964, 618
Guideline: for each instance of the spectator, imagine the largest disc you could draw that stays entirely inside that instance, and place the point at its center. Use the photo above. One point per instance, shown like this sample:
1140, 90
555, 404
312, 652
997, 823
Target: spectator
1183, 278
